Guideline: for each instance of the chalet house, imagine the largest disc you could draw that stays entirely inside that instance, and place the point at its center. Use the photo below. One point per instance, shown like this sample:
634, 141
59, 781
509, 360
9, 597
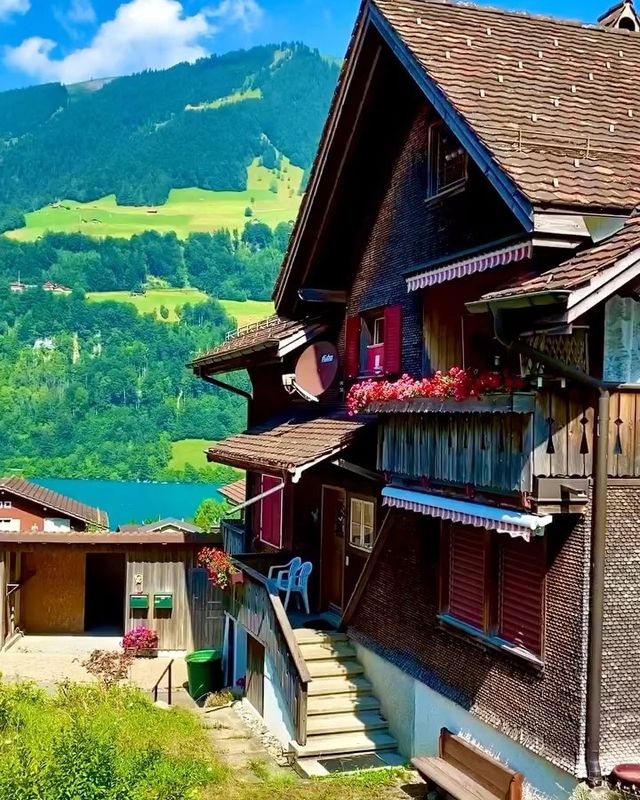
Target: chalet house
62, 571
474, 536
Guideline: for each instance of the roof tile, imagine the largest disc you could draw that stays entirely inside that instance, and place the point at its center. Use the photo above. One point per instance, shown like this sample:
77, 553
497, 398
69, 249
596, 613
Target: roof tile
55, 501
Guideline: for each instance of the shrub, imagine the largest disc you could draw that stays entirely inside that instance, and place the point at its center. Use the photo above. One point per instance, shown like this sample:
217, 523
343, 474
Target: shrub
108, 666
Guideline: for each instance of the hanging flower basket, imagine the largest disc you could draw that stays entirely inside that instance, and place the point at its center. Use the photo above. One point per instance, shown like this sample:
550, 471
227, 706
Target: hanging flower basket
219, 566
141, 643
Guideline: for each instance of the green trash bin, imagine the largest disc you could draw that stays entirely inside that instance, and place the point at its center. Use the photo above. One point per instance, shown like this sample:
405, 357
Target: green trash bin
204, 672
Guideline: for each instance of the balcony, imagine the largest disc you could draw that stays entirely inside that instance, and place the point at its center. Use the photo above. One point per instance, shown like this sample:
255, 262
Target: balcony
233, 536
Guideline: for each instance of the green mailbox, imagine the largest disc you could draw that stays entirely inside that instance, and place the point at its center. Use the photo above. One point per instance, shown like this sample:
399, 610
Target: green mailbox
163, 601
139, 601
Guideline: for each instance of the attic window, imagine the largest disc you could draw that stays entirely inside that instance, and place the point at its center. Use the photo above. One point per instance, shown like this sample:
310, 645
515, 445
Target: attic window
447, 161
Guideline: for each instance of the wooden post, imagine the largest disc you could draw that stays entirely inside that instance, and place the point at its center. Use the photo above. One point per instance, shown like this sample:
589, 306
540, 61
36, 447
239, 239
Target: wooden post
3, 598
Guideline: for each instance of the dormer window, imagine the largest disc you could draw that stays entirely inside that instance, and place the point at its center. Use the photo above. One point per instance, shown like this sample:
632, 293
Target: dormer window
447, 161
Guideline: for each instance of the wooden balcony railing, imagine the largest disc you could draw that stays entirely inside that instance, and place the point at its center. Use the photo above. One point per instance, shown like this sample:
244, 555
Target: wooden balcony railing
233, 536
257, 607
504, 447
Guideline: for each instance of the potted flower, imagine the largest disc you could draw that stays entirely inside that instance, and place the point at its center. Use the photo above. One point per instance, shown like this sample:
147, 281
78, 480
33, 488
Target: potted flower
219, 566
141, 642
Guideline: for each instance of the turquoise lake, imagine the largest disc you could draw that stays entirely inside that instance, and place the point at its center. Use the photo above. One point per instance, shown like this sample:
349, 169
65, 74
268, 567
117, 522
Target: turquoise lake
133, 501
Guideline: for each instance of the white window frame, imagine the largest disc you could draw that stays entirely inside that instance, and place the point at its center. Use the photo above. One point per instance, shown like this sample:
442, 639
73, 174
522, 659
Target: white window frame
280, 493
7, 504
356, 518
434, 190
10, 525
378, 325
57, 525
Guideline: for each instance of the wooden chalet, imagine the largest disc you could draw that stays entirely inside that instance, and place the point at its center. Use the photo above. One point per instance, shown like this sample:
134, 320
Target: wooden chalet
475, 558
62, 571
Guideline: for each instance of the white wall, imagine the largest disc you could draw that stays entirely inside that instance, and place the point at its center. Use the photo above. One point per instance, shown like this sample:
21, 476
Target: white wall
416, 714
276, 712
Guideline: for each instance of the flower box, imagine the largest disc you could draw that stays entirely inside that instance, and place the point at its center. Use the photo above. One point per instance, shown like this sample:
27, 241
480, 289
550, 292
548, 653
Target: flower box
142, 652
506, 403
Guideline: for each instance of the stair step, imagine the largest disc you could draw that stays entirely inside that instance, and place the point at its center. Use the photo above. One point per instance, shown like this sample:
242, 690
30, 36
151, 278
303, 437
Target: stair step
341, 685
314, 651
371, 762
320, 724
311, 636
342, 743
331, 668
341, 704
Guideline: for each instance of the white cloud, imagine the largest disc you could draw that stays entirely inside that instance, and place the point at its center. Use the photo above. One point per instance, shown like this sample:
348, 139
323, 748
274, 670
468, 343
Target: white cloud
81, 12
10, 7
144, 34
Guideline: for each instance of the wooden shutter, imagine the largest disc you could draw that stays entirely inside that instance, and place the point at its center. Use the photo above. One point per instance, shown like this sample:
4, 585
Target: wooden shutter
522, 583
468, 561
271, 512
352, 347
393, 340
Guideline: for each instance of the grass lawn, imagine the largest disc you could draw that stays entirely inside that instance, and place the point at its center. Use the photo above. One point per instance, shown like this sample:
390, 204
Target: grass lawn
188, 451
243, 312
150, 302
186, 211
92, 743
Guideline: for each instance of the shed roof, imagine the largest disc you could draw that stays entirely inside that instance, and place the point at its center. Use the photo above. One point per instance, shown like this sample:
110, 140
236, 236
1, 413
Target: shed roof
289, 444
556, 102
47, 498
168, 523
235, 492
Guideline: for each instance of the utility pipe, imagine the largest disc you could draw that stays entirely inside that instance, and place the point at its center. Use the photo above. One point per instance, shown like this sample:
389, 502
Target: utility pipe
598, 538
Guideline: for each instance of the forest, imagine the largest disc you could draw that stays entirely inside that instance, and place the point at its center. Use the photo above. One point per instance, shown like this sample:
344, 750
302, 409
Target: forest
228, 265
99, 391
140, 136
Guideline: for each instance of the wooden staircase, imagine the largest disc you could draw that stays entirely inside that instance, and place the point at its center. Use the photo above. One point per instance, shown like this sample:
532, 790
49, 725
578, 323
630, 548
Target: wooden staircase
343, 715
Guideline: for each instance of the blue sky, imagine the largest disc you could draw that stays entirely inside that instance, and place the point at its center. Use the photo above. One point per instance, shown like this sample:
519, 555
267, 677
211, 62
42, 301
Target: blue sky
74, 40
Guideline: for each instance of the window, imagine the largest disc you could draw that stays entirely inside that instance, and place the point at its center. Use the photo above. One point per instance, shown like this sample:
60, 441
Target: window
361, 523
494, 585
6, 504
270, 511
622, 340
8, 525
57, 525
447, 161
373, 342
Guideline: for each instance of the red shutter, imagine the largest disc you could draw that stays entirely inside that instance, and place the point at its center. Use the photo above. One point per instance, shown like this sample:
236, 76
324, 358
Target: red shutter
468, 575
352, 347
393, 340
271, 512
522, 572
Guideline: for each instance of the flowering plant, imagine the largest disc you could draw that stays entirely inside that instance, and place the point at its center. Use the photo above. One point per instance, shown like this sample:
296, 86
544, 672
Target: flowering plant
218, 565
140, 639
456, 383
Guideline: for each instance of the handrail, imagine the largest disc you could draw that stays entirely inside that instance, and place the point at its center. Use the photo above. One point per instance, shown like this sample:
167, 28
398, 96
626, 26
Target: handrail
154, 691
283, 622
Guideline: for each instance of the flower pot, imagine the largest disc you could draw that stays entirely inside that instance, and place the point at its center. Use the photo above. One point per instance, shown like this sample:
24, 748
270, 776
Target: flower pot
237, 578
142, 652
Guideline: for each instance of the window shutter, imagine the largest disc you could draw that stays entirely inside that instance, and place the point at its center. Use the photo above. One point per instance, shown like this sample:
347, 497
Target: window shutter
271, 520
352, 347
468, 575
393, 339
522, 573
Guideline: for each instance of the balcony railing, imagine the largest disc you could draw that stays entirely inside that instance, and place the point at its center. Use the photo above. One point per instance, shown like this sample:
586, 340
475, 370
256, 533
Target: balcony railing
255, 604
233, 536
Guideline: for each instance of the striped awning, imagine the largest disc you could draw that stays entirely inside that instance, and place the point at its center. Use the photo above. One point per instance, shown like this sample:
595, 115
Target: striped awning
502, 520
468, 266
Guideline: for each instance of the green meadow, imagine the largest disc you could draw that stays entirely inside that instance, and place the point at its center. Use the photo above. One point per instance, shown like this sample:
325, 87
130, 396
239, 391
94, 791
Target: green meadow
188, 451
186, 211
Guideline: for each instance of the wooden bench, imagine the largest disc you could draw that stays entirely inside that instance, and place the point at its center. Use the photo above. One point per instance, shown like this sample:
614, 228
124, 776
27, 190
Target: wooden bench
466, 773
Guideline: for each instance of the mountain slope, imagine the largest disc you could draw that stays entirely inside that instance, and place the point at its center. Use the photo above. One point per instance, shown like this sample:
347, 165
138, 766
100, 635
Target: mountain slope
138, 137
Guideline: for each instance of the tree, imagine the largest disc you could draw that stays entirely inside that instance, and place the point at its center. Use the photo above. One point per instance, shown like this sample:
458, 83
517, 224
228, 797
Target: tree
209, 514
164, 312
257, 236
248, 212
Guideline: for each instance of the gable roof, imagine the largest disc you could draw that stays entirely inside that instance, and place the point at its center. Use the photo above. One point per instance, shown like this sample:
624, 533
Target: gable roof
236, 492
557, 103
54, 501
168, 523
289, 444
276, 334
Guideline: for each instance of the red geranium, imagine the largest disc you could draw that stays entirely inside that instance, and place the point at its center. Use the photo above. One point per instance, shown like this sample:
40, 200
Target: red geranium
457, 383
218, 565
140, 639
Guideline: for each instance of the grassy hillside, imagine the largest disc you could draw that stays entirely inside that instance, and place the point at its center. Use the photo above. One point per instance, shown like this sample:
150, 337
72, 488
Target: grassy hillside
244, 312
272, 194
188, 452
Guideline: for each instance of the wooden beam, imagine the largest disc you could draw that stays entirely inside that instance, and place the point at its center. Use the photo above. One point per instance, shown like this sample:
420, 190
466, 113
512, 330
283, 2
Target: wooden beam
310, 295
378, 548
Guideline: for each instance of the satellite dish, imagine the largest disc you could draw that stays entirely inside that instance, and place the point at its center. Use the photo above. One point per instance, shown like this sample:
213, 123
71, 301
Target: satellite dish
316, 370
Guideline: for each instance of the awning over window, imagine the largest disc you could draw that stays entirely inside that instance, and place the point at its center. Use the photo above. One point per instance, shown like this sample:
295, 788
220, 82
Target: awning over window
503, 520
468, 266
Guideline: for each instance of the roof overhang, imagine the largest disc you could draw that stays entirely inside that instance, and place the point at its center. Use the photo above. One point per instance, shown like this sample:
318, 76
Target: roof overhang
502, 520
121, 539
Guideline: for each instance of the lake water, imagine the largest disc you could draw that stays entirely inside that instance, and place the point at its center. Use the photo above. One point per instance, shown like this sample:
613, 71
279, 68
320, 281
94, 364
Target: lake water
131, 501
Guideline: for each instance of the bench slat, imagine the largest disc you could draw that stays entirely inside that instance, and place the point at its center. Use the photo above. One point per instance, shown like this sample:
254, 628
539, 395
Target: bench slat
450, 778
493, 775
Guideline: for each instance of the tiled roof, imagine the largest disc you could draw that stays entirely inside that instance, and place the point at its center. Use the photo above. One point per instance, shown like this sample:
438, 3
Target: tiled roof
236, 492
54, 501
557, 103
169, 523
580, 269
288, 444
264, 335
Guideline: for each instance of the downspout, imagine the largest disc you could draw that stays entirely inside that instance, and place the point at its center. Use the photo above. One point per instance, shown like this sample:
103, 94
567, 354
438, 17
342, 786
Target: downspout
598, 538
